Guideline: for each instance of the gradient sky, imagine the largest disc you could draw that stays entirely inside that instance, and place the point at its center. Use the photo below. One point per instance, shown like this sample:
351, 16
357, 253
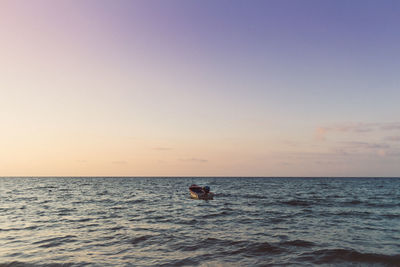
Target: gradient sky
177, 88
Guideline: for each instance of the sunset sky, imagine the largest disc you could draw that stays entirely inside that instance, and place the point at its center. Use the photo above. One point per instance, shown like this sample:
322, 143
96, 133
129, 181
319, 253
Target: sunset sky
202, 88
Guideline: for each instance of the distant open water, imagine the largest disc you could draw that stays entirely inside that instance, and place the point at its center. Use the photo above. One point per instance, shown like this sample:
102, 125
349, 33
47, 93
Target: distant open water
153, 222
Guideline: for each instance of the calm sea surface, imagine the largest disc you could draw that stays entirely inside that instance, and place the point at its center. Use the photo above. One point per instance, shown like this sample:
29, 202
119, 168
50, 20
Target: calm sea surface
153, 222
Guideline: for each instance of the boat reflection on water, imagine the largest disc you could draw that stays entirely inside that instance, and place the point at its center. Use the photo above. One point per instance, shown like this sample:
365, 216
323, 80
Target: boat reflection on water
198, 192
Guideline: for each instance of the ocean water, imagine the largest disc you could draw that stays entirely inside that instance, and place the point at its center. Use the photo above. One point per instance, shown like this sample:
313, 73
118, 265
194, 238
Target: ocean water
153, 222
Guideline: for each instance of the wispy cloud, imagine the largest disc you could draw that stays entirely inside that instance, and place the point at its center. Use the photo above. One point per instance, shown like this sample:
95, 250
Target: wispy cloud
290, 143
285, 163
160, 148
121, 162
393, 138
361, 138
81, 161
356, 147
195, 160
321, 132
367, 145
330, 163
391, 126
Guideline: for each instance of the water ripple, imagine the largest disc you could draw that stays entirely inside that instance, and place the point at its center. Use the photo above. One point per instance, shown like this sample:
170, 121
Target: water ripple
153, 222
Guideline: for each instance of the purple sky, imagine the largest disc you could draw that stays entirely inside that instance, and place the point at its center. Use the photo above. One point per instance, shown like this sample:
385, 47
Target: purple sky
266, 88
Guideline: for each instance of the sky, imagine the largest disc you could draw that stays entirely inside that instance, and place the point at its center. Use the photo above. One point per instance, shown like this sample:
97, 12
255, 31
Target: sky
199, 88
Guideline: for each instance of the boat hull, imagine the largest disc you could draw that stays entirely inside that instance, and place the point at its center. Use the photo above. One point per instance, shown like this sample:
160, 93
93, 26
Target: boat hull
208, 196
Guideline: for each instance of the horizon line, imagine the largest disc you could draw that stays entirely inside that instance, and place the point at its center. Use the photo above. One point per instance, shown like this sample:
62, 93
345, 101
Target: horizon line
189, 176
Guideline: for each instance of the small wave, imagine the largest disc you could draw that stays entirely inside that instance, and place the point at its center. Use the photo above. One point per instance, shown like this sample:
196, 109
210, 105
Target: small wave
187, 221
116, 228
382, 205
16, 264
327, 256
64, 189
276, 220
27, 199
352, 202
181, 262
297, 202
214, 215
81, 220
207, 243
24, 264
298, 243
140, 239
224, 242
225, 195
8, 209
391, 216
233, 247
65, 212
354, 213
56, 241
103, 193
160, 219
135, 201
252, 196
32, 227
118, 208
264, 248
45, 187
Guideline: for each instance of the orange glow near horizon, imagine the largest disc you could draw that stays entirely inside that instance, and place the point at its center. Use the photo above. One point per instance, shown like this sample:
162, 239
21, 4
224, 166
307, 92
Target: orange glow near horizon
155, 90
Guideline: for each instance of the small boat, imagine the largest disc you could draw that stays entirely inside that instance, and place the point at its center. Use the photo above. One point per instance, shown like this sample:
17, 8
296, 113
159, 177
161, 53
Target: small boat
198, 192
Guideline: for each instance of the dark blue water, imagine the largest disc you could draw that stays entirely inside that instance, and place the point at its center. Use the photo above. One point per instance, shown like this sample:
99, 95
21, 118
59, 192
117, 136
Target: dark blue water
153, 222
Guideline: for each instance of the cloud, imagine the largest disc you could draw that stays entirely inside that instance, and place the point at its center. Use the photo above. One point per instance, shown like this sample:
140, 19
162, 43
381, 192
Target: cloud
393, 138
196, 160
342, 152
391, 126
121, 162
321, 132
81, 161
381, 152
367, 145
319, 162
364, 148
290, 143
361, 139
162, 148
306, 156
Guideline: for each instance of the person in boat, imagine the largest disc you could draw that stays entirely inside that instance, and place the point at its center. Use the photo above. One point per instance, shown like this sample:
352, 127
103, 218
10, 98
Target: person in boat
206, 190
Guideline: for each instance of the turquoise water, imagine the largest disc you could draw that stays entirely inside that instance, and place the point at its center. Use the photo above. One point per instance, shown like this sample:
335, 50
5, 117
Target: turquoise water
153, 222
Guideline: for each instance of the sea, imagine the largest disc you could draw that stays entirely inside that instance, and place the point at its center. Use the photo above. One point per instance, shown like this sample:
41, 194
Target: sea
152, 221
